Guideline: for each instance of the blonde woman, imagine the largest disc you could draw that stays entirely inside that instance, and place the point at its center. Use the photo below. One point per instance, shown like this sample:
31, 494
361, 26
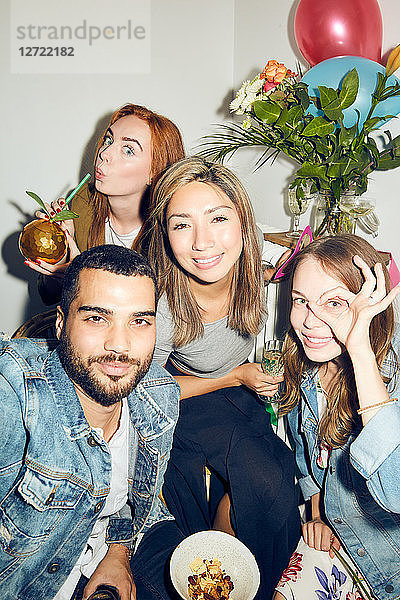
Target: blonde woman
342, 381
202, 241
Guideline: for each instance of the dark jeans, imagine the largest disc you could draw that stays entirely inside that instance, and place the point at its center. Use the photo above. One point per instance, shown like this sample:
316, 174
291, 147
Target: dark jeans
150, 564
230, 432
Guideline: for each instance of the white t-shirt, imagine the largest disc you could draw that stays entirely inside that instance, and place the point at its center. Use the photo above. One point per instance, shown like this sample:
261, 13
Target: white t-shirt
119, 239
96, 547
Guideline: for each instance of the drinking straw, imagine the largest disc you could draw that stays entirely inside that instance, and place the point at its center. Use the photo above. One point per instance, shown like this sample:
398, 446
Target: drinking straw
78, 187
361, 587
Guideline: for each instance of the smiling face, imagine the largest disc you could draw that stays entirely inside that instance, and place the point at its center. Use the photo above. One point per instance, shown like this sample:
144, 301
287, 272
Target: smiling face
123, 165
107, 340
204, 232
310, 281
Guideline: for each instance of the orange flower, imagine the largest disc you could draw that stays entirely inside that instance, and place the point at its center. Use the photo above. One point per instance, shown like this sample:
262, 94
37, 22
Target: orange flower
393, 62
274, 72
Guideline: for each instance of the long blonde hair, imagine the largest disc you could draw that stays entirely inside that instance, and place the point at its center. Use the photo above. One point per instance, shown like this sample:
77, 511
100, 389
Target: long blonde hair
246, 304
166, 148
335, 254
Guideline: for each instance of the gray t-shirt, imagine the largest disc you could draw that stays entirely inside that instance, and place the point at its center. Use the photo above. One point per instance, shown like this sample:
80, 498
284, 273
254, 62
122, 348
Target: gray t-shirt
213, 355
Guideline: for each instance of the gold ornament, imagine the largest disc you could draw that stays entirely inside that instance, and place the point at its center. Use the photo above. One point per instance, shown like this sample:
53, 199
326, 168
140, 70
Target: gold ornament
43, 239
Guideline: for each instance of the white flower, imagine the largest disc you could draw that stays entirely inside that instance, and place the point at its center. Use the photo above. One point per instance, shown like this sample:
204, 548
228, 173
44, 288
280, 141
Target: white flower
246, 123
246, 96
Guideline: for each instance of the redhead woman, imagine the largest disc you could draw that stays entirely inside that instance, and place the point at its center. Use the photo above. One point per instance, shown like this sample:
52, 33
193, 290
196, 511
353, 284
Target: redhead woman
342, 401
201, 239
136, 147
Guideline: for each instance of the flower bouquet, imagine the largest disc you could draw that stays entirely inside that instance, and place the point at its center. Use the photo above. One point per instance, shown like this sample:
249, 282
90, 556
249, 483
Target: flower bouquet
333, 158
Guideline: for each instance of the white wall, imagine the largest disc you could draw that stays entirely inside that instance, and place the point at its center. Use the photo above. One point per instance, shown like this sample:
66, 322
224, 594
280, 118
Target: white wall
52, 121
200, 51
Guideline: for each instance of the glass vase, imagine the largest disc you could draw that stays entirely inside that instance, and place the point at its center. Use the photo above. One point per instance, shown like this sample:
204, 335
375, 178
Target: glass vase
329, 218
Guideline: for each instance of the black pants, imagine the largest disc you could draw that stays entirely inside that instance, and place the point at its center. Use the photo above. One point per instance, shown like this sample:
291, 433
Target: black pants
230, 432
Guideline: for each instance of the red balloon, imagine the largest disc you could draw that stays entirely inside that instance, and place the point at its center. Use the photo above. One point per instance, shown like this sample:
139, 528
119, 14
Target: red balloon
328, 28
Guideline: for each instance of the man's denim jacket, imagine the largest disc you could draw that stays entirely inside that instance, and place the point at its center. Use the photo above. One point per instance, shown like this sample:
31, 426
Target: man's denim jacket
55, 470
361, 483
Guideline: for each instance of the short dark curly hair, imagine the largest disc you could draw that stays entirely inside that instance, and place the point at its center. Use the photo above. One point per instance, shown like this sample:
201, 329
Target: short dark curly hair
111, 258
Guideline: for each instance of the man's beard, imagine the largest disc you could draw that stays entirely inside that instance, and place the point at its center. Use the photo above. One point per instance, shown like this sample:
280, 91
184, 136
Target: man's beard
105, 392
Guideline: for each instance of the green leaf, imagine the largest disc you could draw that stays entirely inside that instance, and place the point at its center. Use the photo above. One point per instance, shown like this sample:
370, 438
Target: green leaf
341, 167
322, 147
38, 200
330, 103
334, 111
336, 189
380, 85
64, 215
395, 142
370, 145
390, 157
347, 135
266, 111
295, 115
326, 95
361, 186
311, 170
370, 124
349, 90
302, 95
283, 120
387, 163
318, 126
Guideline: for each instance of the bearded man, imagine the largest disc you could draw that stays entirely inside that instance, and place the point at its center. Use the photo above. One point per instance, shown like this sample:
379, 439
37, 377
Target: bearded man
86, 431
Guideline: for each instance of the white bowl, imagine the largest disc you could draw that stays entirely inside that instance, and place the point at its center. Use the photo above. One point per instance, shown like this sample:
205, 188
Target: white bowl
237, 562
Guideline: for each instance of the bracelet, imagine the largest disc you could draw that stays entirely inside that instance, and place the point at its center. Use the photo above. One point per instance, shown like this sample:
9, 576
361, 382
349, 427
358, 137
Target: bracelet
377, 405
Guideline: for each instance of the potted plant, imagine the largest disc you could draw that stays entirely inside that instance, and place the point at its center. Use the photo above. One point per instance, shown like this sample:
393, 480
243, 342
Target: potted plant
334, 159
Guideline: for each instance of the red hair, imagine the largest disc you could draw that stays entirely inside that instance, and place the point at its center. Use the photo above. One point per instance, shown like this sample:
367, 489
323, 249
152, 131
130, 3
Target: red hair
166, 149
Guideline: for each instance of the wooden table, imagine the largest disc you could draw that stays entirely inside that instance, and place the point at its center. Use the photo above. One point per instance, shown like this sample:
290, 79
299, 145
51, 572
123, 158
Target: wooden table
281, 239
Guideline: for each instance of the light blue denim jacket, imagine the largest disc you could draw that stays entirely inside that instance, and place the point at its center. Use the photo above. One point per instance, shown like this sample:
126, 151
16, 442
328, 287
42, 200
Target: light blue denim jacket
55, 470
361, 483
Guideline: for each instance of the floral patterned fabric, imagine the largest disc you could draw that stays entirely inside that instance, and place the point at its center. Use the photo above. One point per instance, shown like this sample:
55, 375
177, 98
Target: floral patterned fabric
313, 575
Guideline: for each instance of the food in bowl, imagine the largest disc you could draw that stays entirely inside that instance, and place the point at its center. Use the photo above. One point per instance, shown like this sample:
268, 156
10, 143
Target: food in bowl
209, 581
236, 560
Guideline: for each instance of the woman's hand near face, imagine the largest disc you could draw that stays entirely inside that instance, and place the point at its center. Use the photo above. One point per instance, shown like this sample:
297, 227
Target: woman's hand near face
252, 376
349, 315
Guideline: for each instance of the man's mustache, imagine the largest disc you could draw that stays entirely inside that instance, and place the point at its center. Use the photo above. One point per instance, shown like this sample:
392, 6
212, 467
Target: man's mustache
113, 358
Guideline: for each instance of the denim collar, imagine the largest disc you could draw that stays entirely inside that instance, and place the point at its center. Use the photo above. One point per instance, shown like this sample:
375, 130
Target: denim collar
147, 417
309, 389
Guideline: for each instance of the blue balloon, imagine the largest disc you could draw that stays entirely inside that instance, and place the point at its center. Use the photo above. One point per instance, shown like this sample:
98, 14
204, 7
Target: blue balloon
331, 73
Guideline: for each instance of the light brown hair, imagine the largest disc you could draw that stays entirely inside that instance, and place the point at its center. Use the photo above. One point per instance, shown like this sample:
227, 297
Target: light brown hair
166, 148
335, 254
246, 304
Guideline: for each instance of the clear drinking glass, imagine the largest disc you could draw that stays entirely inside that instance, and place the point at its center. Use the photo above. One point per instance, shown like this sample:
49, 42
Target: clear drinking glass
272, 362
297, 207
356, 206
